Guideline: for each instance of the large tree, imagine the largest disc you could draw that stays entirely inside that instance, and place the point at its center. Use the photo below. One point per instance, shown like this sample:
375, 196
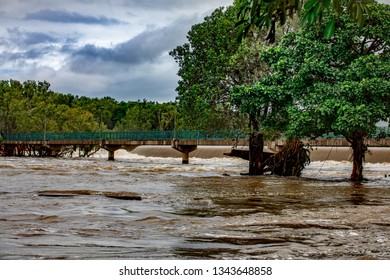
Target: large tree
339, 85
213, 62
204, 70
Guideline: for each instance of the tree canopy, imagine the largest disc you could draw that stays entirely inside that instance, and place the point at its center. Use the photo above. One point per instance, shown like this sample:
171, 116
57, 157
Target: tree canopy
266, 13
204, 70
210, 64
31, 106
338, 85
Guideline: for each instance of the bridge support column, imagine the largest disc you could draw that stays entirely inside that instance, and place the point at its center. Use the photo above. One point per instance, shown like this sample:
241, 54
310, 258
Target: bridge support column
111, 155
184, 149
185, 157
111, 150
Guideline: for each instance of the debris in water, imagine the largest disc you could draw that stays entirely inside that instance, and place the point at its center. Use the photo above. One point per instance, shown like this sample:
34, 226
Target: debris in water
71, 193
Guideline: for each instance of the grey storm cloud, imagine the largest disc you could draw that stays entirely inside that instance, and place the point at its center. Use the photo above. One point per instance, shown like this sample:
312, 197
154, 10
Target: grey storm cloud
20, 57
61, 16
22, 38
22, 44
98, 47
147, 46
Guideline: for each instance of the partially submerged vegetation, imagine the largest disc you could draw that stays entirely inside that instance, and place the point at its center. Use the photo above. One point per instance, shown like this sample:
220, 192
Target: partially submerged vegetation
290, 161
303, 80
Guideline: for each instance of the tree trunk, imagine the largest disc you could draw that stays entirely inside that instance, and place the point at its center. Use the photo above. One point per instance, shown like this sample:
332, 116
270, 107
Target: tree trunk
358, 151
256, 146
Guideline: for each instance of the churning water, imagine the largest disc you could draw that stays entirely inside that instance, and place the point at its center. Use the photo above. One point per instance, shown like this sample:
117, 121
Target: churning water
204, 210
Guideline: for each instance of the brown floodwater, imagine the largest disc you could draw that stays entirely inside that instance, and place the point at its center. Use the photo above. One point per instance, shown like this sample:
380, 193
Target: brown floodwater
204, 210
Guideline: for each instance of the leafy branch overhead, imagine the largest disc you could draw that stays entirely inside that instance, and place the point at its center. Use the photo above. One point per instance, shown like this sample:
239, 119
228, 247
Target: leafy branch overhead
266, 13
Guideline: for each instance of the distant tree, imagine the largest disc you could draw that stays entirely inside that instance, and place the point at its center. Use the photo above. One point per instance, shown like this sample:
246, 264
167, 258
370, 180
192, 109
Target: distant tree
148, 115
17, 101
32, 107
167, 116
137, 118
119, 113
78, 120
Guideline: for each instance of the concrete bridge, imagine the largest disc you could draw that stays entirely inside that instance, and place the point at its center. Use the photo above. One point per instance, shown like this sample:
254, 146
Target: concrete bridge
53, 143
183, 141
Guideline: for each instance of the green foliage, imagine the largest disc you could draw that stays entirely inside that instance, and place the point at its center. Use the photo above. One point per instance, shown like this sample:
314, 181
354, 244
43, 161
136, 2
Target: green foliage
32, 107
205, 69
318, 85
266, 13
211, 64
149, 116
266, 101
339, 85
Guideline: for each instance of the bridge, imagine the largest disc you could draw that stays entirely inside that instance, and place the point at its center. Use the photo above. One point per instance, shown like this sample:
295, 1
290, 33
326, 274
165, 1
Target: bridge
51, 144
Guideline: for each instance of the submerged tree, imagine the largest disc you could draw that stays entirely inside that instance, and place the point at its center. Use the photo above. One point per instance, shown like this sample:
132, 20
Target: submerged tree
211, 64
290, 161
266, 104
339, 85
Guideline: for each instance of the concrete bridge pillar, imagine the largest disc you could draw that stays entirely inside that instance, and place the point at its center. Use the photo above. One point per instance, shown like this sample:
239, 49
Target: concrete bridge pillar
111, 154
111, 148
184, 149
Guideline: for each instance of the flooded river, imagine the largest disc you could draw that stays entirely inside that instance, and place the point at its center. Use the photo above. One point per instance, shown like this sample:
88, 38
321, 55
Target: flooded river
204, 210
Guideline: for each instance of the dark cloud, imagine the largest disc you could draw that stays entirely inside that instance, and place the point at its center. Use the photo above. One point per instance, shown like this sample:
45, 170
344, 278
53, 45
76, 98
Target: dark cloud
21, 46
146, 47
70, 17
21, 56
22, 38
89, 47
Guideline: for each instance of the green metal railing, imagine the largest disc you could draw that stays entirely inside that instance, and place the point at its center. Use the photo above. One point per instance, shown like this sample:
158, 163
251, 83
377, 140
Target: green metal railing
381, 132
127, 135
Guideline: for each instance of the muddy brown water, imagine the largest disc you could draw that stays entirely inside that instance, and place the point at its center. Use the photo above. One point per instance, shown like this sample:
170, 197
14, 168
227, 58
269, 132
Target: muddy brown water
190, 211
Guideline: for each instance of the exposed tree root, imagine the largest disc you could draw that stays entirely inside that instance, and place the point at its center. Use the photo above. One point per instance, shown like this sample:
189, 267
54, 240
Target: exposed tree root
290, 161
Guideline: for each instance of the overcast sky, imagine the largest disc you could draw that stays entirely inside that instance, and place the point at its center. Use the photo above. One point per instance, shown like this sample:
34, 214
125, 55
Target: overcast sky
98, 48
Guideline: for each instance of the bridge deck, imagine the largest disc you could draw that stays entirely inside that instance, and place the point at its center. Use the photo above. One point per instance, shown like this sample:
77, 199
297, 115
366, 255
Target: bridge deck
192, 137
53, 143
126, 142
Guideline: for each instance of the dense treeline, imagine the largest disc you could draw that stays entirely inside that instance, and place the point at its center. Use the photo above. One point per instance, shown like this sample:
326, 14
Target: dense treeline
31, 106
